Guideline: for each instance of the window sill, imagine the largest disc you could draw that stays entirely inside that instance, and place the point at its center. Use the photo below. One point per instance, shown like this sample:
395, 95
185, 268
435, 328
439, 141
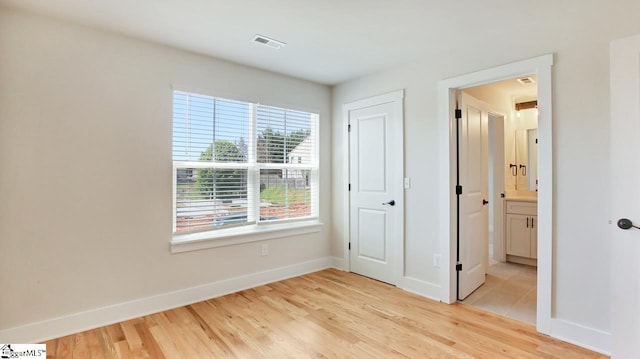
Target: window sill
226, 237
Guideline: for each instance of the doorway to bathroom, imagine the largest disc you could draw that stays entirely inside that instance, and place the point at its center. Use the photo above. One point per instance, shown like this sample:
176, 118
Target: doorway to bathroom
506, 254
534, 216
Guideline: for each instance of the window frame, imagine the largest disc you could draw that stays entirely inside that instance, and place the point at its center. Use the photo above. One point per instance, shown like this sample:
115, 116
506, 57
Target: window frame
255, 229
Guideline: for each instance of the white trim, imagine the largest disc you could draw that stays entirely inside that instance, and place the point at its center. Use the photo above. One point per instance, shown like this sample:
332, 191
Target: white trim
82, 321
174, 189
499, 251
545, 197
589, 338
224, 93
243, 234
346, 179
251, 165
421, 288
446, 100
394, 96
446, 229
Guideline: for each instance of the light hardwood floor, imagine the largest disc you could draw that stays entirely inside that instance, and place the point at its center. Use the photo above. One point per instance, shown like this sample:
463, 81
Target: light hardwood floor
327, 314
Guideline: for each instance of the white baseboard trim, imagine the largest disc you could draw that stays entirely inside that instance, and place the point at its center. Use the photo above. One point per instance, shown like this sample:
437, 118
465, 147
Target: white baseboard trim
421, 288
580, 335
82, 321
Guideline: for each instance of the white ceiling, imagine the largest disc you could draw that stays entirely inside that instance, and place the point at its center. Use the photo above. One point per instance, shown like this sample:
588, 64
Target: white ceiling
331, 41
509, 88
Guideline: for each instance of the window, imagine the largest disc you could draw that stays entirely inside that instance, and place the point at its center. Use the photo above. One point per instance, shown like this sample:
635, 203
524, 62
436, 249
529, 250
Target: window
239, 164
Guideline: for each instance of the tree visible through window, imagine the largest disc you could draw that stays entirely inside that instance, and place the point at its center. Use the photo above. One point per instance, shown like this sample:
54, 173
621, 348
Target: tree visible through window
233, 163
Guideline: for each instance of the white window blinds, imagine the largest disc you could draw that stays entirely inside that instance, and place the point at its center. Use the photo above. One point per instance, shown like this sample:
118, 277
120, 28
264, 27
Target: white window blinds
237, 163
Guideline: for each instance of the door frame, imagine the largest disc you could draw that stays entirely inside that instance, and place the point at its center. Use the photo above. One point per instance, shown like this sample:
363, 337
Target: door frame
398, 97
499, 253
541, 66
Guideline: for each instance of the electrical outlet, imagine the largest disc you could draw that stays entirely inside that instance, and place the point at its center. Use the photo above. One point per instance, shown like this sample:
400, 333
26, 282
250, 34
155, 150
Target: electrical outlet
436, 260
264, 250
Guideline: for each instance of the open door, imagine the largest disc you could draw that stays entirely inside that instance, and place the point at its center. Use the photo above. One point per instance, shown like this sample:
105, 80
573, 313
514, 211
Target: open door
473, 199
625, 205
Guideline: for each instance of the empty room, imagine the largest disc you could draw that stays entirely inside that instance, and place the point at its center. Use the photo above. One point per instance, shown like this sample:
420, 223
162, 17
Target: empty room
319, 179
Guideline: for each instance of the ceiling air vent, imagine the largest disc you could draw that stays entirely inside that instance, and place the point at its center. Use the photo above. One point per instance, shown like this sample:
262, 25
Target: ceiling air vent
267, 41
526, 80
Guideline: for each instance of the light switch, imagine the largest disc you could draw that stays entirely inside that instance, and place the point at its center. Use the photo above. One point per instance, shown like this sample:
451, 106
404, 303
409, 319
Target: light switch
407, 182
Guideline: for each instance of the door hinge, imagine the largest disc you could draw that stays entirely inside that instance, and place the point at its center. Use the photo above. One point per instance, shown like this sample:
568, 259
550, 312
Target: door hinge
349, 186
458, 267
458, 113
348, 128
458, 189
349, 245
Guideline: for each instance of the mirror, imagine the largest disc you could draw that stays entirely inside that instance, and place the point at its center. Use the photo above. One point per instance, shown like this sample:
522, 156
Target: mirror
527, 159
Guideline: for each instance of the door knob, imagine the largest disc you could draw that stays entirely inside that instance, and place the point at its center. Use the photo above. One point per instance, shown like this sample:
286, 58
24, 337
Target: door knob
624, 223
390, 203
485, 202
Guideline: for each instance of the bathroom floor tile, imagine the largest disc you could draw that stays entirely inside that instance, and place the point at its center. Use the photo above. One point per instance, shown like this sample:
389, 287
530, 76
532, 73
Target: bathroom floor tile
509, 290
525, 308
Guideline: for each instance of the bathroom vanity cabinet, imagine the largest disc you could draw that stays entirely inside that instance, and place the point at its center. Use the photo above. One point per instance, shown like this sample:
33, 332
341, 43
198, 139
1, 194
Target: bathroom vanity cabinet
521, 229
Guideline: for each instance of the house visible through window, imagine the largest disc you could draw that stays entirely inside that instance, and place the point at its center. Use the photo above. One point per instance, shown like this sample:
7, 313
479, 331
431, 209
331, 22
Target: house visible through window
237, 163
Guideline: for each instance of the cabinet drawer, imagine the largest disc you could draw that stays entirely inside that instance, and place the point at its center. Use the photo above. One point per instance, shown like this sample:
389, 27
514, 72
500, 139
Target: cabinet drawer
518, 207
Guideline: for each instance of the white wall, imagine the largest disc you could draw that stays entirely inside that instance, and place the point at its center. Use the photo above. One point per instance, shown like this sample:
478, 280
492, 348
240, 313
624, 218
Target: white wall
85, 176
581, 148
85, 155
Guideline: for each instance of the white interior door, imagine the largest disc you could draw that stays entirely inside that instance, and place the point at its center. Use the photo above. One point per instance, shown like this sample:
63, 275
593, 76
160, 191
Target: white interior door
474, 213
376, 196
625, 177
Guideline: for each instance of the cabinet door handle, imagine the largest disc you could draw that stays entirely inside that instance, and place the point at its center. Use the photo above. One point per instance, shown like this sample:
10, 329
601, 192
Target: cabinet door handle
527, 222
514, 169
531, 222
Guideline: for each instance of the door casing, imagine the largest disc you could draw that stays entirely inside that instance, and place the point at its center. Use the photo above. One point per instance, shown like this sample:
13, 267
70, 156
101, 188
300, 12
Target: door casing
541, 66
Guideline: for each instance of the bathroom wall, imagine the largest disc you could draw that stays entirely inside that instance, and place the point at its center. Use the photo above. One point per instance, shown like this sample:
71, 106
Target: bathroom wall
501, 98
